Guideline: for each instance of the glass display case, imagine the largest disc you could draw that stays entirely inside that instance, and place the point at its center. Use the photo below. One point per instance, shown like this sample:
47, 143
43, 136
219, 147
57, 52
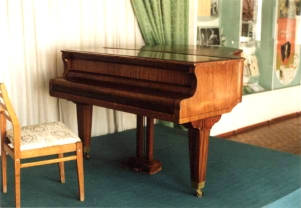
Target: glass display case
268, 32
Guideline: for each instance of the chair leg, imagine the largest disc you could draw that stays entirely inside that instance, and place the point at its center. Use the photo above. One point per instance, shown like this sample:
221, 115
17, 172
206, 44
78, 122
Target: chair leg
80, 171
17, 183
61, 168
4, 170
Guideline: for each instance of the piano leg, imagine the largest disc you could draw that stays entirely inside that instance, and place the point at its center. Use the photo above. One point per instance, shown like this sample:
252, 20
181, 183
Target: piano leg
84, 122
140, 137
144, 162
198, 133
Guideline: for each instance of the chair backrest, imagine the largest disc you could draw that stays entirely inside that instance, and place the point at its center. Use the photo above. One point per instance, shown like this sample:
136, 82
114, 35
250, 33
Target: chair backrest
7, 113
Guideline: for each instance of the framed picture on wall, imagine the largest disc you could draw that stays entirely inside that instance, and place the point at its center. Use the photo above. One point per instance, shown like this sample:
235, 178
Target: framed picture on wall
214, 8
208, 36
246, 32
208, 8
248, 10
247, 29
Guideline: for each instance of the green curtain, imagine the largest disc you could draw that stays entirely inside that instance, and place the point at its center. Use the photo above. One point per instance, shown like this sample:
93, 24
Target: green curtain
162, 22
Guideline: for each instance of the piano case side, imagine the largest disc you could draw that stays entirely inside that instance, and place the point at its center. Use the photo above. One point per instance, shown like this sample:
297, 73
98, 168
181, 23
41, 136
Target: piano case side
218, 90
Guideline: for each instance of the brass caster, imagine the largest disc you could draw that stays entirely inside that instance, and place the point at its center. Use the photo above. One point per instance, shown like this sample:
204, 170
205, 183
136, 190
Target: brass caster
199, 193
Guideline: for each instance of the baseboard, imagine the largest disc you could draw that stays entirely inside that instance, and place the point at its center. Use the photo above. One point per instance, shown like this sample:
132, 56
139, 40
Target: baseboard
261, 124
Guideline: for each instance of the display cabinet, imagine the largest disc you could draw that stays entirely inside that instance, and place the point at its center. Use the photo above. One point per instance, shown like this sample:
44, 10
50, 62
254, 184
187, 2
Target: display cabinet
267, 31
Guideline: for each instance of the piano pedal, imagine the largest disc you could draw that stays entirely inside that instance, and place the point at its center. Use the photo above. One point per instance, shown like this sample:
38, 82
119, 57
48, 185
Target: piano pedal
86, 155
86, 152
137, 169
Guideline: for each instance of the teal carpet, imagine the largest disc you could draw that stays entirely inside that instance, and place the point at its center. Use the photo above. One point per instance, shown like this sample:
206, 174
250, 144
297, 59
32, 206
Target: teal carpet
238, 175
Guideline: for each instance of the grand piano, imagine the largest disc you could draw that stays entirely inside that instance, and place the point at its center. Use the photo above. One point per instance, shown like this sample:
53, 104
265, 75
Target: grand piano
188, 85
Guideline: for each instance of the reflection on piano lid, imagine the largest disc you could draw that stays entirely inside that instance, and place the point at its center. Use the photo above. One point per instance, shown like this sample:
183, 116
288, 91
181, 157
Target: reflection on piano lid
183, 53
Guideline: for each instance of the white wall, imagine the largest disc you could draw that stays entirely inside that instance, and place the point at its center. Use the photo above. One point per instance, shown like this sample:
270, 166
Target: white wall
260, 107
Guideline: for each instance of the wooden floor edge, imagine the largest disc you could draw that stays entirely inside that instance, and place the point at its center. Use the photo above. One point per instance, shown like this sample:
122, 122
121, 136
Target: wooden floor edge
261, 124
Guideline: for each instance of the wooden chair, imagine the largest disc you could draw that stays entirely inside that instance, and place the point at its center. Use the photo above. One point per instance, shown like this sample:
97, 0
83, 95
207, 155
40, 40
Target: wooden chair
39, 140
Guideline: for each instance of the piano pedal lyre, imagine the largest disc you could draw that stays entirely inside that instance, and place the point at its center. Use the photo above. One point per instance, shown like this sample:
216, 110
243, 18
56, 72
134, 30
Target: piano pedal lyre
144, 162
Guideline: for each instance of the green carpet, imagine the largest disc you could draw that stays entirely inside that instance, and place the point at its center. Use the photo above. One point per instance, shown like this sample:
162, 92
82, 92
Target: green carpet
238, 175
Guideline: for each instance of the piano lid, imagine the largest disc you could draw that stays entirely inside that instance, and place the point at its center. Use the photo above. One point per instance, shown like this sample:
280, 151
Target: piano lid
182, 53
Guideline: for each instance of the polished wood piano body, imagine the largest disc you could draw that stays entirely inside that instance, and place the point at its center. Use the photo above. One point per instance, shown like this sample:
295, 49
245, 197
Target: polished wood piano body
189, 85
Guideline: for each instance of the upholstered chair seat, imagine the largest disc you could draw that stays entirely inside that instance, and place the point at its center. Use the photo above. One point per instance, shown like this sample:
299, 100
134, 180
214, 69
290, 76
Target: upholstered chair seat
44, 135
